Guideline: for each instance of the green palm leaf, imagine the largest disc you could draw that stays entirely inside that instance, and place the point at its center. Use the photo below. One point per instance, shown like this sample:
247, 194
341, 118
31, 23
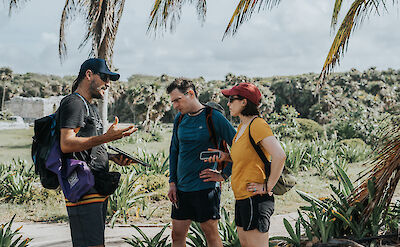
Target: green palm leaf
358, 11
165, 11
244, 11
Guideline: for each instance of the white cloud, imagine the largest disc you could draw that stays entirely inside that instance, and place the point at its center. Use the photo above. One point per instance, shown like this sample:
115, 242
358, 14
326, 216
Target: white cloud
292, 38
50, 38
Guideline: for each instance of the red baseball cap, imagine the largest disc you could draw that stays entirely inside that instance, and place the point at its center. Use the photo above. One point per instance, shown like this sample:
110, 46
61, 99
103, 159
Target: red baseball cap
246, 90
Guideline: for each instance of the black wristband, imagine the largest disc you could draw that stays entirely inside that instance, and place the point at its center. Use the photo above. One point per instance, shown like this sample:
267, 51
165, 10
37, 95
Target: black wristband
224, 176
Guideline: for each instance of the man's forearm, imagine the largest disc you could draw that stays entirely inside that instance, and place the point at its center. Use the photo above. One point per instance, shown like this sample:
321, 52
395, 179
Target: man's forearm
78, 144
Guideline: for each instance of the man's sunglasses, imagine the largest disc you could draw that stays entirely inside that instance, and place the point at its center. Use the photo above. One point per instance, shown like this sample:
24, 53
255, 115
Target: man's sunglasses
233, 98
104, 77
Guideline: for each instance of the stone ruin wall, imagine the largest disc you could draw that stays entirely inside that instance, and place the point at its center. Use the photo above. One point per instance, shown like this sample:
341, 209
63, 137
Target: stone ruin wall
33, 107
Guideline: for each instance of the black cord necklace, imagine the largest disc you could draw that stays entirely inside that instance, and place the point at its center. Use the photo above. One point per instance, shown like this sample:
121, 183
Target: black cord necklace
195, 112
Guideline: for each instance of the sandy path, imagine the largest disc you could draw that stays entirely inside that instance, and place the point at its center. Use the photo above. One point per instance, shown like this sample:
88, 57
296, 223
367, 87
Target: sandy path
58, 235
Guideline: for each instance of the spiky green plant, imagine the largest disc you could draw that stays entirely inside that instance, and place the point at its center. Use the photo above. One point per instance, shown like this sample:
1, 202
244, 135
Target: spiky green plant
7, 235
16, 182
336, 217
125, 197
156, 241
226, 228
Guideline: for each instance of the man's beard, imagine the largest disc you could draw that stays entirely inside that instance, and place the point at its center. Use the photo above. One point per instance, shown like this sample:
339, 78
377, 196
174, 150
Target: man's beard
95, 90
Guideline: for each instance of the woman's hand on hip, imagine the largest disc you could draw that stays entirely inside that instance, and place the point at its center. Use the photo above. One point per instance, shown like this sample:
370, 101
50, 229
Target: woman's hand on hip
259, 189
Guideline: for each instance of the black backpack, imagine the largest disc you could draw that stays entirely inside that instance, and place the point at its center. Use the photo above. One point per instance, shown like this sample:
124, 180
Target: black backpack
46, 133
210, 107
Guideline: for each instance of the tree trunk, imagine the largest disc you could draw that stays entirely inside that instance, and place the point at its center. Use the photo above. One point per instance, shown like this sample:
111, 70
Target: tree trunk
4, 95
104, 110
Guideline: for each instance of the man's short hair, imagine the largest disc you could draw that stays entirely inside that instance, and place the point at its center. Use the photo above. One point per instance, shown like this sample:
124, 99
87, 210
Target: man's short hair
182, 84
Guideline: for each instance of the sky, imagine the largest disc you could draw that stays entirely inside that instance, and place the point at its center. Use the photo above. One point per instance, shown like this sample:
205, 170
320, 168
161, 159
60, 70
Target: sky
293, 38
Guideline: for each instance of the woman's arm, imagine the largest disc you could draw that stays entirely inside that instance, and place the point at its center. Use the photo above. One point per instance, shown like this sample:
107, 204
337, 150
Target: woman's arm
278, 157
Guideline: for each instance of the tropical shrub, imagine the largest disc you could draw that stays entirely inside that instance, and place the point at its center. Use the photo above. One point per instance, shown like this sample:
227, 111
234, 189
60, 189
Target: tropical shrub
226, 228
122, 203
334, 217
156, 241
17, 179
5, 115
309, 129
7, 236
156, 184
284, 124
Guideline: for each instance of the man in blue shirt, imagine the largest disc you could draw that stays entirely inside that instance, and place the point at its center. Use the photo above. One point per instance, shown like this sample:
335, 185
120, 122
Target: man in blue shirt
195, 198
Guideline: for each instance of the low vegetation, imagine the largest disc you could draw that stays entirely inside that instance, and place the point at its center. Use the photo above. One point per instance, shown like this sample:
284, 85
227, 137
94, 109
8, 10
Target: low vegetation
328, 135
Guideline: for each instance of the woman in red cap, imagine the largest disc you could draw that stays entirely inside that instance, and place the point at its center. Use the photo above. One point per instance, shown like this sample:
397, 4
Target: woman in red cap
251, 185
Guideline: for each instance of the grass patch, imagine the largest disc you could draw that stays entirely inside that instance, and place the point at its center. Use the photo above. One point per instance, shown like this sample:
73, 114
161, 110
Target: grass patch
15, 144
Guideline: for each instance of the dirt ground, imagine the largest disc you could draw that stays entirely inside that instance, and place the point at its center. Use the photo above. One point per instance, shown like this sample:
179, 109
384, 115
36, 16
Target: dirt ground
58, 234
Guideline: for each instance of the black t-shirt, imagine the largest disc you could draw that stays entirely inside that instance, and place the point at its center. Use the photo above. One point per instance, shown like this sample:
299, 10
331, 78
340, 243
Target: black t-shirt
72, 114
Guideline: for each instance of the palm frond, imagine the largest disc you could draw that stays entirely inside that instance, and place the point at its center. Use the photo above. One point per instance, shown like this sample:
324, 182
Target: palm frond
385, 172
170, 11
102, 18
244, 11
67, 14
335, 14
359, 10
15, 4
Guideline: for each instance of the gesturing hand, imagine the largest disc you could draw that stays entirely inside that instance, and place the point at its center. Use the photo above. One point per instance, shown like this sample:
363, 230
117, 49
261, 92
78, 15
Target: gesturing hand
115, 133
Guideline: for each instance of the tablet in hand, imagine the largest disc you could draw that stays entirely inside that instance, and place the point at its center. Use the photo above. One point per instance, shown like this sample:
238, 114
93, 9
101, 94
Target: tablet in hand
123, 153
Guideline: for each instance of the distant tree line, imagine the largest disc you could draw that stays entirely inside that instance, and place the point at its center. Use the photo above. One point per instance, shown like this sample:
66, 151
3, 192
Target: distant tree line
349, 104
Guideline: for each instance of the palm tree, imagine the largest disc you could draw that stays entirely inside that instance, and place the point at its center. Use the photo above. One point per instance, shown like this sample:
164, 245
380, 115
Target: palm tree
386, 166
102, 19
166, 13
5, 76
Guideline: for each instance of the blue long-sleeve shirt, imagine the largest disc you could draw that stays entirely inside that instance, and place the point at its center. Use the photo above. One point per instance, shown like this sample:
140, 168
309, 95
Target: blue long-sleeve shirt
192, 138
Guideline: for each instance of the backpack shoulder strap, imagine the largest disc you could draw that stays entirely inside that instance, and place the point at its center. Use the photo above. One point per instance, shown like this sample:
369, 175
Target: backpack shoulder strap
84, 101
210, 126
260, 153
177, 123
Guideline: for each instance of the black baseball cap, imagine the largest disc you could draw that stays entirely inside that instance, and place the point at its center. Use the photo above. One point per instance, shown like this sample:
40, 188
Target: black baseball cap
98, 65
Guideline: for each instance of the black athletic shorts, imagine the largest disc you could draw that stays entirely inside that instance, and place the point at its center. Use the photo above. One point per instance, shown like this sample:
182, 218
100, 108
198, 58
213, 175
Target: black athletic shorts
254, 212
198, 206
87, 223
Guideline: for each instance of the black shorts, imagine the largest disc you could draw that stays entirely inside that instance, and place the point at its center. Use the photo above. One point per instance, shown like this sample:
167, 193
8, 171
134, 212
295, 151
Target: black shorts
198, 206
254, 212
87, 223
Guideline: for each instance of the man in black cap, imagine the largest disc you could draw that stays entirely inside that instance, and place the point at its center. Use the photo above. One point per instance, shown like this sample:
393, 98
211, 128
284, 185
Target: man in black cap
82, 138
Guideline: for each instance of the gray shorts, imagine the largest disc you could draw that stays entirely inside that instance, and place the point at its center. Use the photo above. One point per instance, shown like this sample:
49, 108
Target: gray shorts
87, 223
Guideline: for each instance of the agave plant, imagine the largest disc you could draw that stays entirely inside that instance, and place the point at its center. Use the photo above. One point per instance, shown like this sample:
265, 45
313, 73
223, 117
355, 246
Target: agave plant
196, 236
328, 218
7, 235
227, 231
158, 161
16, 182
123, 200
156, 241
